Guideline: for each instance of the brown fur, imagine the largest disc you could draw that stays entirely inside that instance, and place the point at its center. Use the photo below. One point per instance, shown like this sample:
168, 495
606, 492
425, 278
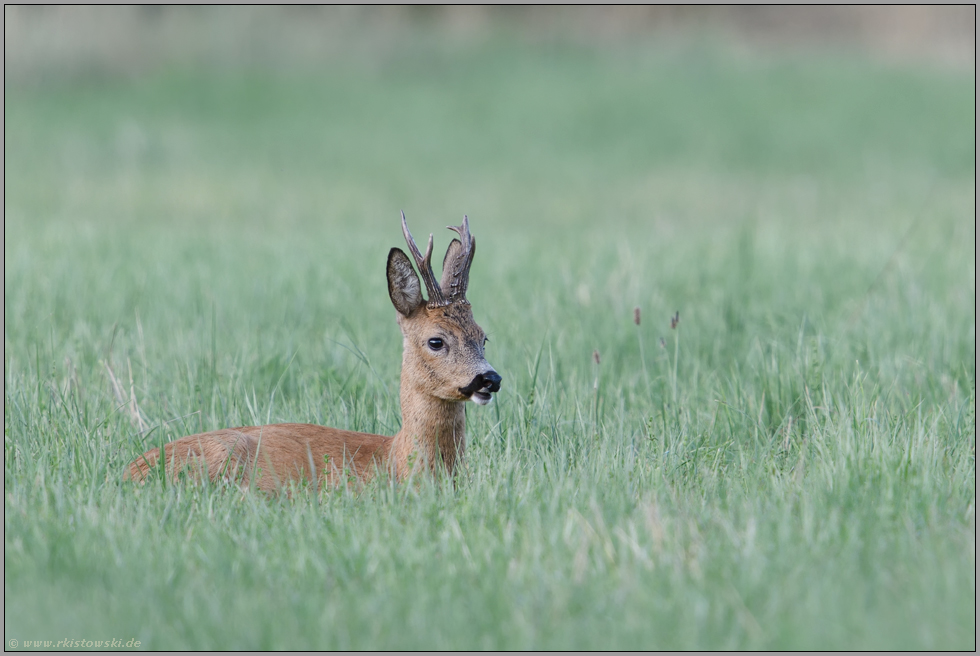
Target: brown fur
434, 383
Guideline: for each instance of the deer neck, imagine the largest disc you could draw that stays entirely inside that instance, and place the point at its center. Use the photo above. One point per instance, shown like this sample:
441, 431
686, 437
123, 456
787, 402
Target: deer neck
433, 433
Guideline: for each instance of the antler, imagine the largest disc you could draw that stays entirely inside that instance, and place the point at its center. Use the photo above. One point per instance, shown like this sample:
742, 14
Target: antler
459, 257
424, 264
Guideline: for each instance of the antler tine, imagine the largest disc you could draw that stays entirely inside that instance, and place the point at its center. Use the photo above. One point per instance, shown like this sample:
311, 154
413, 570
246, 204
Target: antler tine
464, 233
425, 265
461, 265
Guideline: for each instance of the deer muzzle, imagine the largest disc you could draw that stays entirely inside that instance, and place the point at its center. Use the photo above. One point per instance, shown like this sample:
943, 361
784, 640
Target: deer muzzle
482, 386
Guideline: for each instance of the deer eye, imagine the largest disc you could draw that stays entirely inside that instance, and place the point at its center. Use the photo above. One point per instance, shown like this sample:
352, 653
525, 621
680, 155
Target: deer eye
435, 343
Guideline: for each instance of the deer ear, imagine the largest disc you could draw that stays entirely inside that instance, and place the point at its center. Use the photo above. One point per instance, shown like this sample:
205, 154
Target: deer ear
403, 285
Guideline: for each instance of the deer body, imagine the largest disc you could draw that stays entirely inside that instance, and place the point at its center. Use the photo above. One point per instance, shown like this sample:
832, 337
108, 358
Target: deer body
443, 366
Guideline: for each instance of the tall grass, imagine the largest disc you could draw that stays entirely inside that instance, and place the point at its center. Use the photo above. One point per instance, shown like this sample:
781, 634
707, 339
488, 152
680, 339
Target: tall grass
792, 466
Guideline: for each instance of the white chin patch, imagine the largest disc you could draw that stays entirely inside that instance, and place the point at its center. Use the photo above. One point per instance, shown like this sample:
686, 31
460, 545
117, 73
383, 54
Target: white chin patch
481, 398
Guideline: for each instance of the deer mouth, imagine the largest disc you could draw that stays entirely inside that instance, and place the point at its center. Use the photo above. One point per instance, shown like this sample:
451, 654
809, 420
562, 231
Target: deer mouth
481, 397
481, 389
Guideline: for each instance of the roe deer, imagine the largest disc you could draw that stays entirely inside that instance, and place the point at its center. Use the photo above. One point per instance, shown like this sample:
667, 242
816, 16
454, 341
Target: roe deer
442, 367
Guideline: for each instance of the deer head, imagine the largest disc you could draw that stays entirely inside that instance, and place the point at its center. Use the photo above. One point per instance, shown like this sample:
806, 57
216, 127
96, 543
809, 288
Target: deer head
444, 346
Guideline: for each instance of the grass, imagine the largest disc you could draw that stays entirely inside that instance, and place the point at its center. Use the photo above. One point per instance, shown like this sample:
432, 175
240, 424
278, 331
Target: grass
793, 466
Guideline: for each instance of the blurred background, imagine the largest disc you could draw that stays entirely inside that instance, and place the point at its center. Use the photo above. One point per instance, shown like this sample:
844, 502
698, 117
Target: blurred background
651, 136
65, 40
814, 144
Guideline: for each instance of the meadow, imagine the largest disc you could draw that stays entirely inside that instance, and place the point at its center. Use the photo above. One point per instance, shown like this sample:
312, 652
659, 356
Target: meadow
791, 466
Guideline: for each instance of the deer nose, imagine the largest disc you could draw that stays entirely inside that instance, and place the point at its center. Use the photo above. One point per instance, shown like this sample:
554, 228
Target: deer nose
491, 380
